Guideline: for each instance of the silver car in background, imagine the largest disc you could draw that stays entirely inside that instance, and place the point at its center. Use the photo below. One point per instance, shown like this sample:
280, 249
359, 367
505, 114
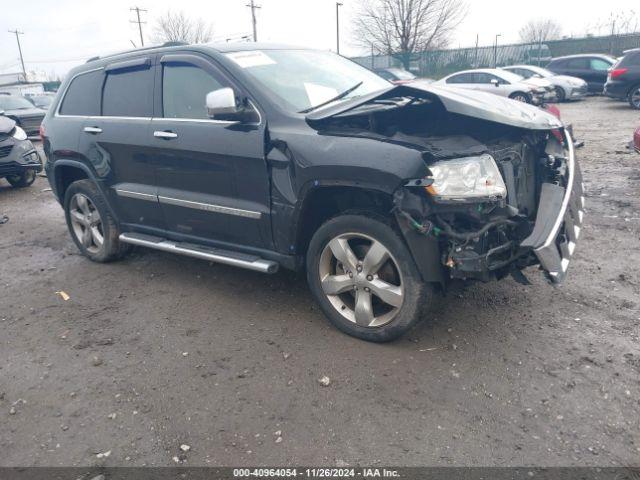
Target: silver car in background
566, 87
502, 83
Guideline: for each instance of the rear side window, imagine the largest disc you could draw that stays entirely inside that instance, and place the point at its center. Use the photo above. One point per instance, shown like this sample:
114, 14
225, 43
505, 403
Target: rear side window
581, 63
631, 59
83, 95
184, 90
128, 93
462, 78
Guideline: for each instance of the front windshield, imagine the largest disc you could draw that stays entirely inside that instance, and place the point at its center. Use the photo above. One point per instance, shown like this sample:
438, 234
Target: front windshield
303, 79
510, 76
9, 102
543, 72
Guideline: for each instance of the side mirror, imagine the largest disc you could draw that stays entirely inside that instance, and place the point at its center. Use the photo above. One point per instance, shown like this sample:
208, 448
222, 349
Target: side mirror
221, 102
495, 82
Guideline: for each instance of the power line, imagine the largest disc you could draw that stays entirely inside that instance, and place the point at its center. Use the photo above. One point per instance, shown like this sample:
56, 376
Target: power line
253, 7
138, 21
18, 33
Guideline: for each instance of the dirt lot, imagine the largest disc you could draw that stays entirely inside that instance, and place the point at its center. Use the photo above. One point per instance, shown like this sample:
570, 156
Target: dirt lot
158, 351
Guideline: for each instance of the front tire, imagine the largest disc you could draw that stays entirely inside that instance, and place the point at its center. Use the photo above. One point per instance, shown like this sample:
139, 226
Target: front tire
520, 97
364, 278
634, 97
91, 225
22, 180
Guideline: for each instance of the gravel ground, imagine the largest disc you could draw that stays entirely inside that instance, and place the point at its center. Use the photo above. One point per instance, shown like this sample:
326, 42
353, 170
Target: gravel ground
159, 351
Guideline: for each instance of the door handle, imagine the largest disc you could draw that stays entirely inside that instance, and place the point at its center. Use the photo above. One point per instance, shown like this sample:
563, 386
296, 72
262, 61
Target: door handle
167, 135
93, 130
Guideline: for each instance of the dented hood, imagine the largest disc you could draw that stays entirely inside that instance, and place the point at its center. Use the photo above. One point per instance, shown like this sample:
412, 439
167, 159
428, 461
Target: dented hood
6, 124
471, 103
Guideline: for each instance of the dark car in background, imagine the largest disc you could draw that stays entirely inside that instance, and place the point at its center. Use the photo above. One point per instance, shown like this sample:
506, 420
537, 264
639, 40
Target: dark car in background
26, 115
592, 68
623, 82
19, 160
395, 75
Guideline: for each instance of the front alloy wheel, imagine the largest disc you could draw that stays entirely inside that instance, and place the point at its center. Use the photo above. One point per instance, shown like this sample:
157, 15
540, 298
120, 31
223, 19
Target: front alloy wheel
86, 223
364, 278
361, 279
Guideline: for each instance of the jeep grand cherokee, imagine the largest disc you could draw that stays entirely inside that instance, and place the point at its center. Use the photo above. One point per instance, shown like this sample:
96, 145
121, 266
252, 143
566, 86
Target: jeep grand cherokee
262, 156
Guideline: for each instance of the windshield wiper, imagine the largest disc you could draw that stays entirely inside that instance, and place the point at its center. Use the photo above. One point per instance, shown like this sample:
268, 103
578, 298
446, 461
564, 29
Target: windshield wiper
337, 97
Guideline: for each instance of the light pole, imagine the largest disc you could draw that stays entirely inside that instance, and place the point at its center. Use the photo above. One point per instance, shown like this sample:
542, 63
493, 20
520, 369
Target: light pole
338, 5
495, 51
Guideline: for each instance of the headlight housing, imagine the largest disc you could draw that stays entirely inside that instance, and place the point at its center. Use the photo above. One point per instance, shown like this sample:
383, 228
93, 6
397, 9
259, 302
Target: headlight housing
19, 133
466, 178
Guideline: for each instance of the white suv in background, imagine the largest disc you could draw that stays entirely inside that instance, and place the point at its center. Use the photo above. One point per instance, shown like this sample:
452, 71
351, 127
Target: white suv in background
566, 87
503, 83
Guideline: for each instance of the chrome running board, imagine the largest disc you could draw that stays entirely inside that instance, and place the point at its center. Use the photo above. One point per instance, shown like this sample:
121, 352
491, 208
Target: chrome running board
227, 257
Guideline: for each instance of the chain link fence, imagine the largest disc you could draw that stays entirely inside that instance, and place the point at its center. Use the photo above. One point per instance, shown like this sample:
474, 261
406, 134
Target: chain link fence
438, 63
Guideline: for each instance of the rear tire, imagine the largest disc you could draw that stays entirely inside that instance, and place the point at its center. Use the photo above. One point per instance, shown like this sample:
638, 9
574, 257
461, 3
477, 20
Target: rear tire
364, 278
91, 225
23, 180
560, 94
634, 97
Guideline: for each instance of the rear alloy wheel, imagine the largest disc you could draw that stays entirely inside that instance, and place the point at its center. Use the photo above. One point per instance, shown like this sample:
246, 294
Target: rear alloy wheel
25, 179
520, 97
560, 94
92, 228
364, 278
634, 97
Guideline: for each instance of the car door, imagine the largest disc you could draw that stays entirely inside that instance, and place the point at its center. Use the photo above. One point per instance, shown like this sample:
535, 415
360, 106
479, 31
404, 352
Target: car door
117, 143
213, 184
578, 67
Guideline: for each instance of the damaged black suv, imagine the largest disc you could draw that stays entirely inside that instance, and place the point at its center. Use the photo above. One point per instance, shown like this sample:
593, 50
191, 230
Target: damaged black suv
262, 156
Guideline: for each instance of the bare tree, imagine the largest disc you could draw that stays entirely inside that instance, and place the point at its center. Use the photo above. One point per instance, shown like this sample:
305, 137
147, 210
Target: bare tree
540, 31
403, 27
619, 23
177, 27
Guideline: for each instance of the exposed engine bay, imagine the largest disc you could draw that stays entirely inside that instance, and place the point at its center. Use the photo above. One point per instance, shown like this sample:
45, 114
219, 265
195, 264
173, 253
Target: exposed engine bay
480, 231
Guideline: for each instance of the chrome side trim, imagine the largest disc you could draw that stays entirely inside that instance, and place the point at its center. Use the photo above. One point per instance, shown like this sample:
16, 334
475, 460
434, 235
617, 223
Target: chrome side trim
213, 255
208, 207
137, 195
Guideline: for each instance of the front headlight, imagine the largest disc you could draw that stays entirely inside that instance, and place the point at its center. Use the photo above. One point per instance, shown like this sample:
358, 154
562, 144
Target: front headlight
19, 134
464, 178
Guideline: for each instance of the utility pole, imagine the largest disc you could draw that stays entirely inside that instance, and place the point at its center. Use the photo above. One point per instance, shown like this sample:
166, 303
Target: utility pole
253, 7
338, 5
475, 61
138, 21
495, 51
18, 33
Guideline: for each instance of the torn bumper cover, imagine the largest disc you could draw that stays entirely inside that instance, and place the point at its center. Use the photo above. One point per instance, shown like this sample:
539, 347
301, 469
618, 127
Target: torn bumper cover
558, 220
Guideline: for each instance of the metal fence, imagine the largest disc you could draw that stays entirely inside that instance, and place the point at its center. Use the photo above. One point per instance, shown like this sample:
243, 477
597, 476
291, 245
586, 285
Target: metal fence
439, 63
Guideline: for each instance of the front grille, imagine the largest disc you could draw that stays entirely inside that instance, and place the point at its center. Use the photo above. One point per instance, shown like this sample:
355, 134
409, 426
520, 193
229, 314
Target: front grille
5, 151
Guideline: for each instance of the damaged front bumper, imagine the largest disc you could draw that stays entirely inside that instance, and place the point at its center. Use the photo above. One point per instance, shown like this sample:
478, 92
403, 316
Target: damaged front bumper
485, 241
558, 220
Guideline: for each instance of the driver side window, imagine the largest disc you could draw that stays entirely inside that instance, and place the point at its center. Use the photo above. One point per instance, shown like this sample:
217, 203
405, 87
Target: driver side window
184, 91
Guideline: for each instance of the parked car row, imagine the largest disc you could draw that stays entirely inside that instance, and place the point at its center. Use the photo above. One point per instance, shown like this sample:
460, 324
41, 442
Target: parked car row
19, 160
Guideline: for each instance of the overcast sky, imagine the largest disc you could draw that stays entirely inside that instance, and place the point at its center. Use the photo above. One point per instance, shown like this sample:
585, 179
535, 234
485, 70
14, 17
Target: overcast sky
59, 34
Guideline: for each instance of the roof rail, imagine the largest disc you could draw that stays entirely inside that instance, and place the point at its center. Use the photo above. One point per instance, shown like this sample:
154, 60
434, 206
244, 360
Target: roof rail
142, 49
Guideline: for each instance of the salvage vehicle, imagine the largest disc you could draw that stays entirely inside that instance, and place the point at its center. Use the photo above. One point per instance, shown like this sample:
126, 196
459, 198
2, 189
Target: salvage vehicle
623, 81
19, 160
592, 68
26, 115
502, 83
566, 87
263, 156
